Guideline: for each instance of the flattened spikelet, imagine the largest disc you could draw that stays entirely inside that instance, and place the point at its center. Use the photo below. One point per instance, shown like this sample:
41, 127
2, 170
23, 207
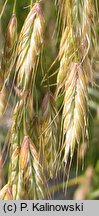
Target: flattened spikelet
66, 56
89, 23
74, 110
29, 46
14, 134
30, 172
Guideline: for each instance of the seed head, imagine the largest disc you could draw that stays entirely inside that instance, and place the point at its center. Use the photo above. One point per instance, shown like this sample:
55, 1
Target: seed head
29, 46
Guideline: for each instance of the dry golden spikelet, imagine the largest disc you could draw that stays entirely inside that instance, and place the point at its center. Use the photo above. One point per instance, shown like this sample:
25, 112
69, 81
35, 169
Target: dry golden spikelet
15, 124
39, 178
67, 12
49, 135
87, 66
6, 193
63, 42
75, 111
29, 46
67, 56
3, 100
9, 47
85, 61
89, 23
14, 163
16, 172
31, 180
62, 13
13, 171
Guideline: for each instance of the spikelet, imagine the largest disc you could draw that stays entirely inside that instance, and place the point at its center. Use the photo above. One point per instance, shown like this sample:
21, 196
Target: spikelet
88, 70
30, 175
6, 193
62, 8
66, 56
89, 23
13, 176
23, 164
29, 46
67, 12
14, 140
40, 180
75, 114
9, 47
75, 73
49, 136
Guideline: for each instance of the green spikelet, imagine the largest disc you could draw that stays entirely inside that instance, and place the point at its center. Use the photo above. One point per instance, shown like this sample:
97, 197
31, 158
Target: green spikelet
14, 140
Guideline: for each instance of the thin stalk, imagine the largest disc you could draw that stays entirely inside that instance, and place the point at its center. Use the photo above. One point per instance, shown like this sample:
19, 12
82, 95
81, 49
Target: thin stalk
14, 7
31, 4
